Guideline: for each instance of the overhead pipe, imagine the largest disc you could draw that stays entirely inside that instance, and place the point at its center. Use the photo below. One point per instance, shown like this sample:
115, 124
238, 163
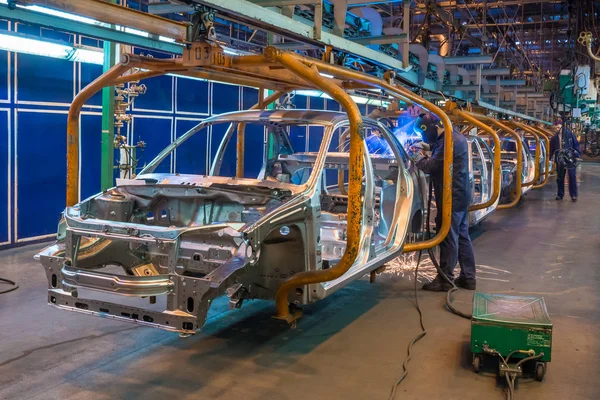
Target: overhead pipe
373, 16
423, 56
106, 79
466, 76
440, 69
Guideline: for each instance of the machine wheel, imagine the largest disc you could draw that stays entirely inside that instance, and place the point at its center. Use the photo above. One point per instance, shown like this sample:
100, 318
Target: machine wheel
477, 361
540, 371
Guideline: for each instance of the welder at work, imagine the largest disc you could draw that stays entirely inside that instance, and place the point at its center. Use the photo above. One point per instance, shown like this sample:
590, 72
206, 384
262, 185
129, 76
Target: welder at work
456, 247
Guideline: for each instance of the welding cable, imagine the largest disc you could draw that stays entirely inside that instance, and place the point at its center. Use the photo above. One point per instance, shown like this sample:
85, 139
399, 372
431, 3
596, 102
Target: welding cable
511, 376
454, 288
14, 285
420, 336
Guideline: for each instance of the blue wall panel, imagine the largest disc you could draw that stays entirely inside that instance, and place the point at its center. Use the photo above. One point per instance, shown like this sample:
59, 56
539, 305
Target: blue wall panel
301, 102
332, 105
44, 79
156, 133
191, 155
91, 152
192, 96
226, 98
362, 108
49, 81
298, 138
228, 165
4, 76
88, 73
159, 96
253, 150
41, 171
4, 171
249, 97
315, 137
317, 103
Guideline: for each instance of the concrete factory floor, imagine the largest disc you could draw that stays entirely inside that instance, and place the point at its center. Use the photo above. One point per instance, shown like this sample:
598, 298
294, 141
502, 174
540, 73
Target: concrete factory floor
349, 346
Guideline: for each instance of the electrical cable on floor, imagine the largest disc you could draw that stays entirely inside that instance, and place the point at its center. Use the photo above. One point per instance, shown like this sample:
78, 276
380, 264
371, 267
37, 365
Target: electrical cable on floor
450, 292
14, 285
454, 288
416, 338
417, 306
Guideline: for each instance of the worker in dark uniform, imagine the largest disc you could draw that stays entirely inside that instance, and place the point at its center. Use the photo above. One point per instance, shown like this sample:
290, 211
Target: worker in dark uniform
564, 139
456, 247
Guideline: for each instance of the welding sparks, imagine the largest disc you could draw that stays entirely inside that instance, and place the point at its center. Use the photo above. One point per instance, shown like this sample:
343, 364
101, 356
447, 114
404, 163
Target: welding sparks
404, 267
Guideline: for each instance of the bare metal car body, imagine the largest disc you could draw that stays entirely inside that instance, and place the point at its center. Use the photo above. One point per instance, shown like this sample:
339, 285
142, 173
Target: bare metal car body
481, 178
509, 166
185, 239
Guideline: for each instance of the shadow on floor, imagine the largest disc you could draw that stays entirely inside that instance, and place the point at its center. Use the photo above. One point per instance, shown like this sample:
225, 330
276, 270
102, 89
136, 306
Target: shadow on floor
249, 337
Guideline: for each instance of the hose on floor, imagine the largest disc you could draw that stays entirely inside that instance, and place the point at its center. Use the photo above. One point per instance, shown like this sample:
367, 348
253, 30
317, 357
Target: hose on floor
431, 253
14, 285
420, 336
423, 332
512, 376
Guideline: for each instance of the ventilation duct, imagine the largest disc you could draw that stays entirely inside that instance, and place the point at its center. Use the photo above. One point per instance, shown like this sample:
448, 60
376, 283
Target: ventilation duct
440, 69
466, 76
421, 53
485, 85
371, 15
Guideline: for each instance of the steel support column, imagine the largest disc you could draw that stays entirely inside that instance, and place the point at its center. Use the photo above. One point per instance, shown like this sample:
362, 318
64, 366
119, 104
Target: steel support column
107, 160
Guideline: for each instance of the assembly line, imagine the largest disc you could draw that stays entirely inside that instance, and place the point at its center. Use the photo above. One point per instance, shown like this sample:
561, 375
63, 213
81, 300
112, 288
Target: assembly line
275, 199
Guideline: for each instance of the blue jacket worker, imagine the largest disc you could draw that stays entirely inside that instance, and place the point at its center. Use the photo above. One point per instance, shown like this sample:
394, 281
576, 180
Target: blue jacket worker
564, 147
456, 247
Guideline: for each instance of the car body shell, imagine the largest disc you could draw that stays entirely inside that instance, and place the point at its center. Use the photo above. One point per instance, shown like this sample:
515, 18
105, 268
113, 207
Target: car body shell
187, 238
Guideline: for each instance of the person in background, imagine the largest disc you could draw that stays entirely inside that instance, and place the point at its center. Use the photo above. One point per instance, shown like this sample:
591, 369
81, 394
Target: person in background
456, 247
564, 139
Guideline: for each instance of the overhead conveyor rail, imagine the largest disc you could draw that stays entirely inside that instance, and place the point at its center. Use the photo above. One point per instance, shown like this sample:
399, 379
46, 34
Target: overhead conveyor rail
282, 71
170, 36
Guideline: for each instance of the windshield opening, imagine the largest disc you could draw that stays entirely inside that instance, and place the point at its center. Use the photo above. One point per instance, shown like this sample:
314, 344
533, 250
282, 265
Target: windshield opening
267, 148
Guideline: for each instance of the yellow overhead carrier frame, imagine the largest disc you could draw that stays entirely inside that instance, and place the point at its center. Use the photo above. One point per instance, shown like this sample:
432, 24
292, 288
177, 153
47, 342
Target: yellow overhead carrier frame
546, 140
281, 71
502, 128
471, 121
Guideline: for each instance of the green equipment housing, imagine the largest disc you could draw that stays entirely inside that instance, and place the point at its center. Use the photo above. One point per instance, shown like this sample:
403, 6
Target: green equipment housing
503, 324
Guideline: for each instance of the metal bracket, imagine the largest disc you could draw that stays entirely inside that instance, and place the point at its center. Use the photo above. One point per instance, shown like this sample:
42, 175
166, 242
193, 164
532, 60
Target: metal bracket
203, 24
205, 54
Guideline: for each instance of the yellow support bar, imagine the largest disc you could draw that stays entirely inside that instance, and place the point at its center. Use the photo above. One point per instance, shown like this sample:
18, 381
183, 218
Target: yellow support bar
548, 134
497, 175
519, 170
547, 160
356, 157
536, 136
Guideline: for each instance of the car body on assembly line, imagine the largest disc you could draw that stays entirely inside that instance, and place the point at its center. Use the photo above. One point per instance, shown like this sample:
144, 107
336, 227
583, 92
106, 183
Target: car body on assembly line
509, 167
197, 222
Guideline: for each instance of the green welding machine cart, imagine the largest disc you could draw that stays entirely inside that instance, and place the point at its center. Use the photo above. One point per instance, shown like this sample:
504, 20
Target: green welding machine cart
515, 329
